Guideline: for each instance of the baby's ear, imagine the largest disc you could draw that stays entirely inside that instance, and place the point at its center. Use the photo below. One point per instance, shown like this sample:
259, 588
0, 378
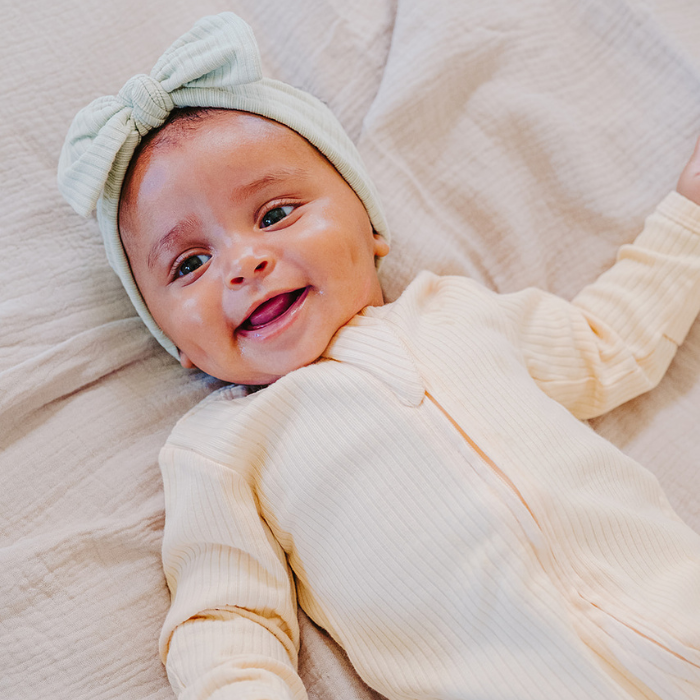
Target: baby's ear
185, 361
381, 247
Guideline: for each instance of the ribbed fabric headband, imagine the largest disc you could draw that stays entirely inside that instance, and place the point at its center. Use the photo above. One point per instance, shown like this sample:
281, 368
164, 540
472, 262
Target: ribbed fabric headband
216, 64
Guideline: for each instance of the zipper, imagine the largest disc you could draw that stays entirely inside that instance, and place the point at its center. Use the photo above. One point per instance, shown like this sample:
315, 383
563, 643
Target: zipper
500, 473
497, 470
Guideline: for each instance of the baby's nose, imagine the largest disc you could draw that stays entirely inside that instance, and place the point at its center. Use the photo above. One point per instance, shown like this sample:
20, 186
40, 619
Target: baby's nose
248, 265
260, 267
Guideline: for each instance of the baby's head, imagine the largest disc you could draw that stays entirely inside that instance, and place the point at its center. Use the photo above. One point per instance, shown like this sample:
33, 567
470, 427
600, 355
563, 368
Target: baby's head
235, 209
249, 248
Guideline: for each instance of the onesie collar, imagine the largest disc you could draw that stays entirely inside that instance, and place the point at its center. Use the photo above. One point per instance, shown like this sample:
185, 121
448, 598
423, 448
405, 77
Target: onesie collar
370, 342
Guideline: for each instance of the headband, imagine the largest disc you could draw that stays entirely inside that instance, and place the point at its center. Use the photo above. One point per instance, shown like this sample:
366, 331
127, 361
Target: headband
216, 64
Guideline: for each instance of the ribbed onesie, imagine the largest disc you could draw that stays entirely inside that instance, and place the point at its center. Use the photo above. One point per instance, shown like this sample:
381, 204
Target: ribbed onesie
427, 492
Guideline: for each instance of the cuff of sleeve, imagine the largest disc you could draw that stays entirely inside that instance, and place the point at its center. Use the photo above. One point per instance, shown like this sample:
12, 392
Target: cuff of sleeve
681, 210
669, 249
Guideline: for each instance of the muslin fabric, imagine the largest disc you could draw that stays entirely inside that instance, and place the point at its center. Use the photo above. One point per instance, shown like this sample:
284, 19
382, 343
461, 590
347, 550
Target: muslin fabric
216, 64
516, 143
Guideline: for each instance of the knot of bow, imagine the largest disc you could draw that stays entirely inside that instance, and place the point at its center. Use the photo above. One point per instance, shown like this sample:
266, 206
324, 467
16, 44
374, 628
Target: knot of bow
150, 103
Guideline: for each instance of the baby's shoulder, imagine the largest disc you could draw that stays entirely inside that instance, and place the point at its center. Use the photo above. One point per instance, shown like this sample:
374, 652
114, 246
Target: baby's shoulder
212, 413
231, 395
428, 287
434, 299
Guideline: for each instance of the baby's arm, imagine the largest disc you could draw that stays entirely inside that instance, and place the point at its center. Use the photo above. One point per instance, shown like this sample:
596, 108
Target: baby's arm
232, 627
616, 339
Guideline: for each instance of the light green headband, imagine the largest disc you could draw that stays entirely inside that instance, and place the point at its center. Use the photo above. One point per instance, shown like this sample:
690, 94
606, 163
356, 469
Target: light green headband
216, 64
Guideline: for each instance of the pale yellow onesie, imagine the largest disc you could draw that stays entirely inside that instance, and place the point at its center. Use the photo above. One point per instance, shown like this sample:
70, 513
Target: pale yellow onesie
428, 494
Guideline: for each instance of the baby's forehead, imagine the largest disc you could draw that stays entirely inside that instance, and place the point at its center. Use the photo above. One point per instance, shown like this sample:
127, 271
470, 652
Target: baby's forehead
182, 126
260, 151
189, 124
186, 123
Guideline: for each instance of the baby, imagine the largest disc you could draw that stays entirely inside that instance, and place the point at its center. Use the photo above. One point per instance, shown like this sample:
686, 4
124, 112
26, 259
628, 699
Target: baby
413, 474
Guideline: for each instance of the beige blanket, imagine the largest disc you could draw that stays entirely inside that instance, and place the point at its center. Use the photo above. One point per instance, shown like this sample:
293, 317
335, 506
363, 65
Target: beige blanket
518, 143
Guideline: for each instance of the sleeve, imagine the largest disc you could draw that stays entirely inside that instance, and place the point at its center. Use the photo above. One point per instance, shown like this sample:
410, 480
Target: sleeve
616, 339
232, 629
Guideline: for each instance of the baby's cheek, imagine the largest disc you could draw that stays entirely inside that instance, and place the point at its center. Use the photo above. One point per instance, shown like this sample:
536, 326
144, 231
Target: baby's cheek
192, 312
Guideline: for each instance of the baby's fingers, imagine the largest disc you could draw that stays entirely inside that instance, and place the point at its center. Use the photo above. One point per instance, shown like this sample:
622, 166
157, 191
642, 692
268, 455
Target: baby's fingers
689, 181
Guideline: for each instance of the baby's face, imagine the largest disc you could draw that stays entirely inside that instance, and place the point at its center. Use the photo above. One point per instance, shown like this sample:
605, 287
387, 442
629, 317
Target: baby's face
249, 249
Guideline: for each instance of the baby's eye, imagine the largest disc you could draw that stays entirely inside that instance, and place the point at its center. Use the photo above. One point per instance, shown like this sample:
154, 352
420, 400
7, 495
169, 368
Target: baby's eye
191, 264
275, 215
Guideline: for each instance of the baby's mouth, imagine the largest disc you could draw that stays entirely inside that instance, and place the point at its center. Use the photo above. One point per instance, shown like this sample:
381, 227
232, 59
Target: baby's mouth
272, 309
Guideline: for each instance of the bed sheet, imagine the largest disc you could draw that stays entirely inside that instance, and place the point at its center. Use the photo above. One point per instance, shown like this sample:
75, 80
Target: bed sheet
518, 143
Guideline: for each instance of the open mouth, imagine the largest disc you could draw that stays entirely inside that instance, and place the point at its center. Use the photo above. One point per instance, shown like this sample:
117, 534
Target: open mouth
273, 309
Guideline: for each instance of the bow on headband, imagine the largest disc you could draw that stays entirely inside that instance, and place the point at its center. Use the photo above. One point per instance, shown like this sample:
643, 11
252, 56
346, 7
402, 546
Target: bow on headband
216, 64
220, 52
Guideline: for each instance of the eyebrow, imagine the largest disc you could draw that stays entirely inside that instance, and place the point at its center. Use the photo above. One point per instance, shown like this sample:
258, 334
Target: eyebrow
168, 240
276, 178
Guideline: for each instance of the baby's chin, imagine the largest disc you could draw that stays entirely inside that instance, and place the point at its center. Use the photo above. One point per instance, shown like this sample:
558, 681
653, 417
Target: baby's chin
260, 363
262, 376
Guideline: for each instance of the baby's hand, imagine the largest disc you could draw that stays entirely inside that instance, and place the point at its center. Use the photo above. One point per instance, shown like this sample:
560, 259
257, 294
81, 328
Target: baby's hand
689, 181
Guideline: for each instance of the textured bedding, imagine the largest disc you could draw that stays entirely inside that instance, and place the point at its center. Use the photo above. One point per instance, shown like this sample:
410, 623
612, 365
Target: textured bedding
518, 143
